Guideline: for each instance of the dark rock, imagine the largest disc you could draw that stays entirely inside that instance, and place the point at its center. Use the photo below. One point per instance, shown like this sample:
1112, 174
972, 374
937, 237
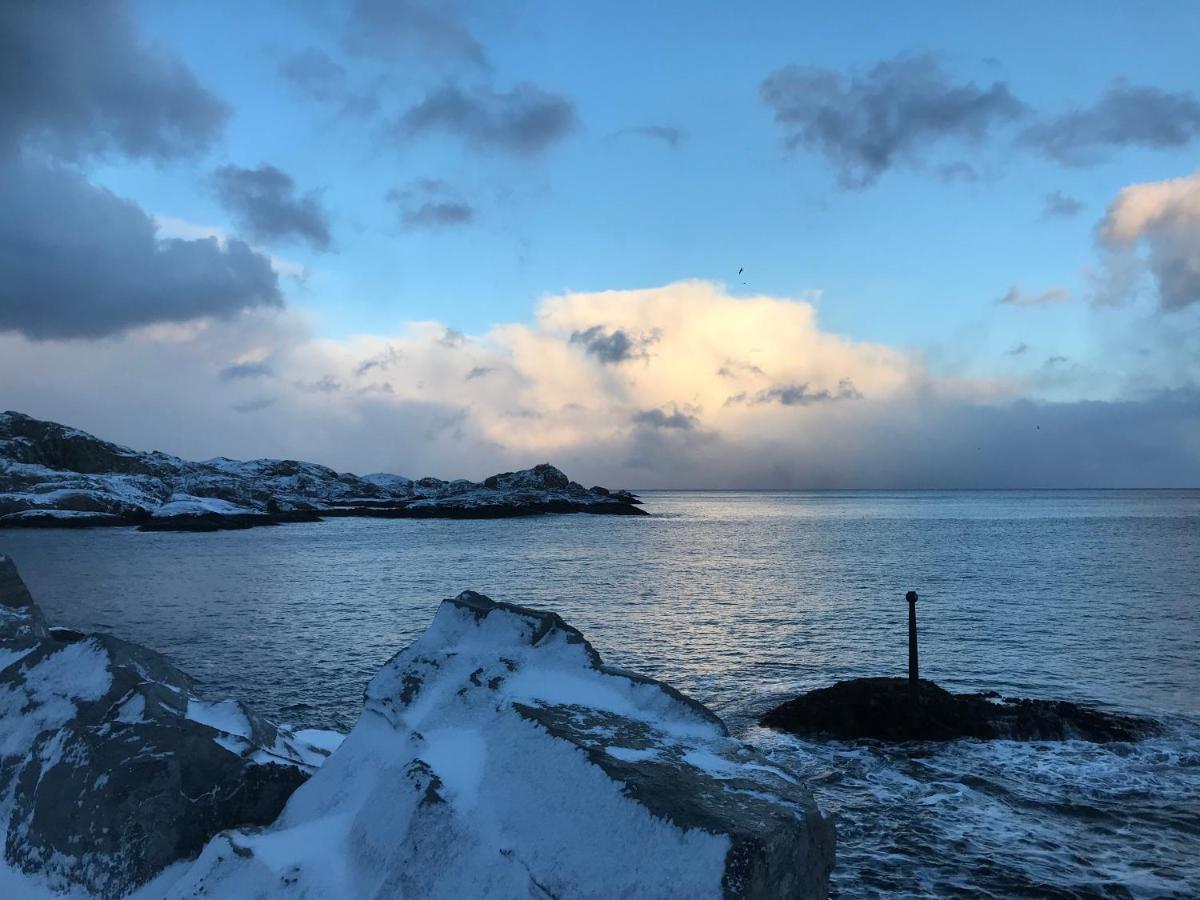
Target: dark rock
112, 765
890, 709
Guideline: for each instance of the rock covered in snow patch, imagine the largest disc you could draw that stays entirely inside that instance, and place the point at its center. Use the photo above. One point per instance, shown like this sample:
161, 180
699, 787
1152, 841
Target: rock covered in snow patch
111, 768
498, 757
55, 476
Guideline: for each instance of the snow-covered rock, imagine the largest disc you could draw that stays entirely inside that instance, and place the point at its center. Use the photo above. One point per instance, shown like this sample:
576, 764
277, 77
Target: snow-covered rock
498, 757
55, 476
111, 765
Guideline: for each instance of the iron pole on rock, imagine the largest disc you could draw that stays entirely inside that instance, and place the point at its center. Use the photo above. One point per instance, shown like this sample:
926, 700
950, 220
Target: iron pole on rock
913, 677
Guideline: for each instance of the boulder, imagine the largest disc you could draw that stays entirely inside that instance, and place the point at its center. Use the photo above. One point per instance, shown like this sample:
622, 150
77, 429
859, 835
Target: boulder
498, 757
112, 766
890, 709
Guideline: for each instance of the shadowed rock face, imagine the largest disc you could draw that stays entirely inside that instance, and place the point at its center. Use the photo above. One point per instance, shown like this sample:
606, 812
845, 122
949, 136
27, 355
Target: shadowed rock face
498, 757
889, 709
60, 477
111, 766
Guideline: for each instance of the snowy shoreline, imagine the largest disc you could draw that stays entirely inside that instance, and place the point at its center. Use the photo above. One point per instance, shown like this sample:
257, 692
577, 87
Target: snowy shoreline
53, 476
496, 756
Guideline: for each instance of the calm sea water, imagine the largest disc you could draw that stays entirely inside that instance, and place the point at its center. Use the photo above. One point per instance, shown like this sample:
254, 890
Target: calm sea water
742, 599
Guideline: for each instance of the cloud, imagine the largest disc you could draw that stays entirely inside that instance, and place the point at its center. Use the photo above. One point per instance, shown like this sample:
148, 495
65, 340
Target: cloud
1057, 205
896, 113
422, 415
430, 203
318, 76
78, 261
667, 134
1124, 116
1017, 349
1164, 218
799, 394
658, 418
383, 361
615, 346
524, 121
264, 202
79, 81
1017, 297
398, 30
260, 369
478, 372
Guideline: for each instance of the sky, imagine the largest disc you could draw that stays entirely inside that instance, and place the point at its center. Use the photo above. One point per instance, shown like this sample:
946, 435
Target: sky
765, 245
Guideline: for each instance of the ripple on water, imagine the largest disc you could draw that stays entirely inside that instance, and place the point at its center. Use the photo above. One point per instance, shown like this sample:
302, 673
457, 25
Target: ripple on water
742, 600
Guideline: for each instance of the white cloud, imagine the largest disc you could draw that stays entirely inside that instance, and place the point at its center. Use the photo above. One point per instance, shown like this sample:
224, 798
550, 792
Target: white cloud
732, 391
1163, 217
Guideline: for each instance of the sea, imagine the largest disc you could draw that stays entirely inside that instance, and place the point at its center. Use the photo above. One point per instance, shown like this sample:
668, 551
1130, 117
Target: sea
743, 599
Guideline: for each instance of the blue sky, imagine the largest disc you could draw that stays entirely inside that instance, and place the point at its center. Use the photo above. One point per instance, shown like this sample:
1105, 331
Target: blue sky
601, 210
672, 165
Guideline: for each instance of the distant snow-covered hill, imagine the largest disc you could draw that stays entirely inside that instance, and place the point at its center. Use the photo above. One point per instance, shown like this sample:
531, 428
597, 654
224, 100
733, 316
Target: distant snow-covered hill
53, 475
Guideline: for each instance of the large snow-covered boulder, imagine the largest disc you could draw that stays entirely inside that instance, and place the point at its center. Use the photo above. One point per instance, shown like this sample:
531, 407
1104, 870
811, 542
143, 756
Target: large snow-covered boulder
498, 757
111, 766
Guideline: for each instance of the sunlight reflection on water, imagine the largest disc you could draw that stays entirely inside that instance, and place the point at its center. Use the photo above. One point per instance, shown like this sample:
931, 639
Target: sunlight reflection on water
741, 599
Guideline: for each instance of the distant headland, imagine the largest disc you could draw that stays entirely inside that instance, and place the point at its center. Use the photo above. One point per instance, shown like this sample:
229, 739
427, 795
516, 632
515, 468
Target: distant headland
52, 475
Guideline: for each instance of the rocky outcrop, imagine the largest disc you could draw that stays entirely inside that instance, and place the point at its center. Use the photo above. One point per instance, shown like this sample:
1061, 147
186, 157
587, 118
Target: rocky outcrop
55, 476
890, 709
111, 765
498, 757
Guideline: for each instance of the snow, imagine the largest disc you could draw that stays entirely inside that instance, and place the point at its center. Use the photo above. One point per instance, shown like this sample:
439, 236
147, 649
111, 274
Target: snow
188, 505
447, 788
322, 740
631, 754
46, 696
226, 715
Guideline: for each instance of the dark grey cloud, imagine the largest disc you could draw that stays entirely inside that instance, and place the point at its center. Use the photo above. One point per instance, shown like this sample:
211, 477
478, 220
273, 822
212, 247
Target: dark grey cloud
239, 371
318, 76
430, 203
479, 372
326, 384
251, 406
734, 368
613, 347
667, 134
77, 261
401, 29
658, 418
1057, 205
524, 121
894, 114
383, 361
77, 80
798, 395
1125, 116
452, 337
1014, 296
265, 203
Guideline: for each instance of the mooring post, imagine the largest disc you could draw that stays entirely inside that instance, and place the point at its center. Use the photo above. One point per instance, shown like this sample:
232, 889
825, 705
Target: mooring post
913, 677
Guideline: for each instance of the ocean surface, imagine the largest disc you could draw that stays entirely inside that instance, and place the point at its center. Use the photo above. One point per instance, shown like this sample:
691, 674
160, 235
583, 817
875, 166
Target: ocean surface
741, 600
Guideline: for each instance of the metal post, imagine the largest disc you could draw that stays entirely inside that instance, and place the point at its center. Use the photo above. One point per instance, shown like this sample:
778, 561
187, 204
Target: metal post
911, 597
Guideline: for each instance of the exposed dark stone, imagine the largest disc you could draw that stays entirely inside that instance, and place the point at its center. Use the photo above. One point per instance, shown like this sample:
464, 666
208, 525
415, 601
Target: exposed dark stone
109, 779
890, 709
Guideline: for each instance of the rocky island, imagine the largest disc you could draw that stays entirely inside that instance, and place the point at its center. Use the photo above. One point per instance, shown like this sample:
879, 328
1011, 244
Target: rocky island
495, 757
55, 476
894, 709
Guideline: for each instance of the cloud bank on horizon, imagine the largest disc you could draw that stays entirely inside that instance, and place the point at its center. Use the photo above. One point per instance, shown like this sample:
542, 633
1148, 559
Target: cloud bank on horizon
120, 314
